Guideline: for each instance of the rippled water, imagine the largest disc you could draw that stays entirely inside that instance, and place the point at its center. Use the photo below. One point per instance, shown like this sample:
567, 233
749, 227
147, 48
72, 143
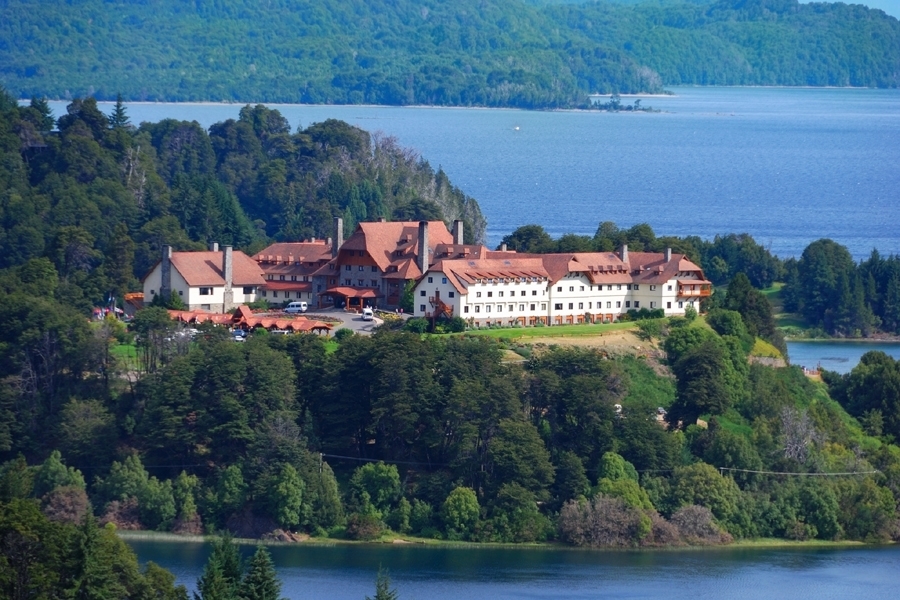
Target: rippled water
788, 166
495, 574
836, 356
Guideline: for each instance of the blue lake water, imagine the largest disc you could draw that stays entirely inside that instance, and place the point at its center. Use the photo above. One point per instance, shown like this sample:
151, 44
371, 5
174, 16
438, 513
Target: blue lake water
788, 166
836, 356
443, 573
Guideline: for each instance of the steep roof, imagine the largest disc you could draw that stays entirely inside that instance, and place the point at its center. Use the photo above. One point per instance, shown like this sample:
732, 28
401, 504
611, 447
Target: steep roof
205, 268
652, 267
383, 239
470, 270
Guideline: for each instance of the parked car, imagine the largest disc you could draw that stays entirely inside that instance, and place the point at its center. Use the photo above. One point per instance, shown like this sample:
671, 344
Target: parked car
368, 314
239, 335
296, 307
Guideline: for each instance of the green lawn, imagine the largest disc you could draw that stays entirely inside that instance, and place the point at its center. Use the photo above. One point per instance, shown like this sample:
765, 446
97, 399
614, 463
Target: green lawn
553, 331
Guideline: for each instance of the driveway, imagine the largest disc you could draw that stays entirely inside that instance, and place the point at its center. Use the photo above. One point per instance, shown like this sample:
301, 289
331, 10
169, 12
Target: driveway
348, 320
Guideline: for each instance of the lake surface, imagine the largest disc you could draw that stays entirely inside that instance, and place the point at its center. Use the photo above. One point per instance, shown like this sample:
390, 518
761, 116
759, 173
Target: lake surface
496, 574
836, 356
786, 165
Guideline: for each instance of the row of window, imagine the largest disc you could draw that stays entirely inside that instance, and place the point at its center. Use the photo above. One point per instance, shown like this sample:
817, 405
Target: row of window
207, 291
559, 306
271, 277
609, 287
361, 268
500, 293
360, 282
286, 294
449, 294
510, 307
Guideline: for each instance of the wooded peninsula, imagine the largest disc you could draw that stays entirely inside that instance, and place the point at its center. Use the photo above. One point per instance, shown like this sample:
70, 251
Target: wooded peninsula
691, 440
502, 53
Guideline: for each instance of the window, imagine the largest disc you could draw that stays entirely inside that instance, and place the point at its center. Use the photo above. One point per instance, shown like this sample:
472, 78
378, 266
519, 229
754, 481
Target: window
532, 306
543, 306
533, 292
559, 289
580, 305
422, 293
270, 277
582, 289
669, 287
206, 291
500, 294
444, 280
571, 305
348, 282
374, 269
204, 307
180, 293
619, 286
557, 306
360, 282
275, 294
571, 288
465, 309
490, 294
477, 308
653, 305
152, 292
478, 294
305, 278
609, 305
652, 288
347, 267
293, 278
499, 308
431, 280
618, 304
609, 288
452, 294
264, 293
421, 308
281, 278
629, 286
521, 307
362, 268
510, 308
487, 308
628, 304
374, 283
248, 290
636, 286
361, 253
522, 293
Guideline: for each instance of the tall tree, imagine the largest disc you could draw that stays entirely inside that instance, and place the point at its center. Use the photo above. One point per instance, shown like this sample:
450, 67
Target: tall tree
260, 582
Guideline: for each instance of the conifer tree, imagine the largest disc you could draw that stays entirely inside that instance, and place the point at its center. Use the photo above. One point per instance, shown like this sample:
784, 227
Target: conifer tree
119, 118
383, 589
260, 582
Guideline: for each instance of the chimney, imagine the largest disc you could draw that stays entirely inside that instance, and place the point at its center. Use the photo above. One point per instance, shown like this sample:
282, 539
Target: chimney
381, 219
312, 240
423, 246
624, 255
338, 236
668, 255
165, 286
214, 246
228, 274
458, 232
502, 247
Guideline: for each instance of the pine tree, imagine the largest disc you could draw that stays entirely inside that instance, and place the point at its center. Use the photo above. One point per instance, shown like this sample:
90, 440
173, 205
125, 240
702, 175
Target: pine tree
222, 575
119, 118
260, 582
383, 589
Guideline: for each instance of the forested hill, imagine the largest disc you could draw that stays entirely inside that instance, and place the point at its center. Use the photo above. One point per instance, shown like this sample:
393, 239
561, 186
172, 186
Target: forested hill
464, 52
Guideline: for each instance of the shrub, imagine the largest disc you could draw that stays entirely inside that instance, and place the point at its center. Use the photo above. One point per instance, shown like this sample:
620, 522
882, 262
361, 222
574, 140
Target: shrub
603, 522
416, 325
697, 526
342, 334
363, 527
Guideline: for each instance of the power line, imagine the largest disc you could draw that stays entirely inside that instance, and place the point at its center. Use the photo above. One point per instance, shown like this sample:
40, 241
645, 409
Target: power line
845, 474
393, 462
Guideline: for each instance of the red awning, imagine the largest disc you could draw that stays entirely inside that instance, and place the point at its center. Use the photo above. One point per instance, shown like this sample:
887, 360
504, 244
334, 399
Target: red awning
349, 292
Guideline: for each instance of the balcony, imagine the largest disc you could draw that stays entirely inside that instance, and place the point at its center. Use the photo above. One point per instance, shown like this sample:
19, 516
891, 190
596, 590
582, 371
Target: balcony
696, 290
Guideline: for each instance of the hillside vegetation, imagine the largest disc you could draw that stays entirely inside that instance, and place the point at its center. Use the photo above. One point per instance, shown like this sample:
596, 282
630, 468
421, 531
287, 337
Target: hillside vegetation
464, 52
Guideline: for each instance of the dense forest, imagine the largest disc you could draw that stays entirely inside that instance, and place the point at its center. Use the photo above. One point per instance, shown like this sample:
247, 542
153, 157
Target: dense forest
463, 53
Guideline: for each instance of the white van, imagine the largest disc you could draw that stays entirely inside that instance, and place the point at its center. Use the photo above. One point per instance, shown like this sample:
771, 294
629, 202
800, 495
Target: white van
368, 314
295, 307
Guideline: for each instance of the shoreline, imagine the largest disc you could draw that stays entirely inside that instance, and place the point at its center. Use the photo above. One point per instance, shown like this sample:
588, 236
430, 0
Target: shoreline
407, 541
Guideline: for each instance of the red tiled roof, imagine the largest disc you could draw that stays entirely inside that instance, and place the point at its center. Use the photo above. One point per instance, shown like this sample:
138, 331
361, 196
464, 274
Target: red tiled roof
381, 240
205, 268
350, 292
290, 286
304, 252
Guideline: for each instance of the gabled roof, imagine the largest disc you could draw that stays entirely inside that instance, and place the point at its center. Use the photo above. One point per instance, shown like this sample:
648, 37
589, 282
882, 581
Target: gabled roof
466, 270
651, 267
383, 239
205, 268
